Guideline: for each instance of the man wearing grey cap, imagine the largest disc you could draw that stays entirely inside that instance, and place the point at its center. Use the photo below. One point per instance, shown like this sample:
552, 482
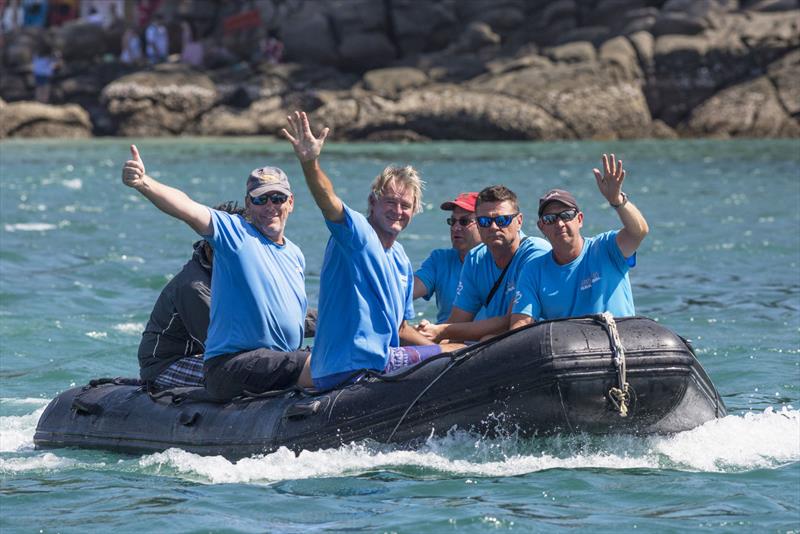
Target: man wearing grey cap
258, 298
581, 276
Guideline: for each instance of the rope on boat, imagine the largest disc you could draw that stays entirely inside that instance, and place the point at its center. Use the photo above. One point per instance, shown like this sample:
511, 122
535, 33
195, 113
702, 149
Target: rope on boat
620, 396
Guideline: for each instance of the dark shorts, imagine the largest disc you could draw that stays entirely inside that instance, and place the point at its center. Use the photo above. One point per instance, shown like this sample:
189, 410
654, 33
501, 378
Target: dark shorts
254, 371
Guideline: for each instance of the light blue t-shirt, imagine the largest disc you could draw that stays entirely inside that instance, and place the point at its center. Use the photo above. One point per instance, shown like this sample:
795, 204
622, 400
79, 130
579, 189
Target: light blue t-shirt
258, 295
365, 293
594, 282
439, 274
480, 272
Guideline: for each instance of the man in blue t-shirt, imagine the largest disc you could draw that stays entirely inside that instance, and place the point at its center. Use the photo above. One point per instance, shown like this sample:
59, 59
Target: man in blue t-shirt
366, 280
258, 298
489, 274
438, 275
581, 276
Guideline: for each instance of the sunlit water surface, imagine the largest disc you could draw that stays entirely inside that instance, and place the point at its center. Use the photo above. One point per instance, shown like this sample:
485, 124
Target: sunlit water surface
82, 259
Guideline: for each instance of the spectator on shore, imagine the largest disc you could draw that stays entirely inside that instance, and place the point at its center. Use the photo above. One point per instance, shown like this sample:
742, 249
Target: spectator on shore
191, 50
95, 17
272, 49
44, 64
156, 41
131, 47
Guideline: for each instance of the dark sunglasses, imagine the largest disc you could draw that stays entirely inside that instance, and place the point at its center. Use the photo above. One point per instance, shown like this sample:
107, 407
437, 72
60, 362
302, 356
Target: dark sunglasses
275, 198
566, 216
463, 221
501, 220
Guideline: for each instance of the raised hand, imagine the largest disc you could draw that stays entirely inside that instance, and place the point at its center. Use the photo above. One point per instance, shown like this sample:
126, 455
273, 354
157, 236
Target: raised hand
610, 181
133, 172
306, 146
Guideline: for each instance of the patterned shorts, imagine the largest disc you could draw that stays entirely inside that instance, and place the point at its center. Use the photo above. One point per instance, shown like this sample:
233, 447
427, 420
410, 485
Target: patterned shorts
410, 355
186, 372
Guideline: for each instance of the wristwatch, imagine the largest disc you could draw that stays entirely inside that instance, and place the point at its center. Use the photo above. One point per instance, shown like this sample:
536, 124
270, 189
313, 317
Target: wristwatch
624, 201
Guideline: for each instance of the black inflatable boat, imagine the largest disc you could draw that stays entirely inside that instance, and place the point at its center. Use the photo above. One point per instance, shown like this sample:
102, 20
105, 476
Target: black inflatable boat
590, 374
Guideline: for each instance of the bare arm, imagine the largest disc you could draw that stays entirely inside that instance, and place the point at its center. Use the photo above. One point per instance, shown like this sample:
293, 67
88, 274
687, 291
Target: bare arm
171, 201
634, 226
519, 319
420, 289
409, 336
460, 327
307, 148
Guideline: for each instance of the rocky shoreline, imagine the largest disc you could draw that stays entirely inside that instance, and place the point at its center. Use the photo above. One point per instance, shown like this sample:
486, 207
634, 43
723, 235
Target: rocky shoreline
475, 70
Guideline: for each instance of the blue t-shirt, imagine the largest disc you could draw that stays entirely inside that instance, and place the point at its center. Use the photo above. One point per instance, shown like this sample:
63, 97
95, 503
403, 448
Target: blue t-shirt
439, 274
258, 295
480, 272
594, 282
365, 293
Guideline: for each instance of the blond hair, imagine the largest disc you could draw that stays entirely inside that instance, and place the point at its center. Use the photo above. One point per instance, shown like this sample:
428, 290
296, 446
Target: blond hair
406, 177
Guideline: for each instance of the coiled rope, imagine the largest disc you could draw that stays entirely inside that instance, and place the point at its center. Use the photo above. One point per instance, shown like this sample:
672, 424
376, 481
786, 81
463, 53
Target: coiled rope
620, 396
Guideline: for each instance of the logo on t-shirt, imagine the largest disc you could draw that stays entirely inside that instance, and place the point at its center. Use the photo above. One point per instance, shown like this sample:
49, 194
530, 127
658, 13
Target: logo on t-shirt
403, 280
459, 287
587, 282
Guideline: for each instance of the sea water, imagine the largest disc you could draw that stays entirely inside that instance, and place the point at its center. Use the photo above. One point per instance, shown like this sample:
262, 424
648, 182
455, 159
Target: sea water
83, 258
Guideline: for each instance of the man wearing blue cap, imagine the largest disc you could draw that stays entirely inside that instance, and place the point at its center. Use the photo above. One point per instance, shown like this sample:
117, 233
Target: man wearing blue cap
258, 298
581, 276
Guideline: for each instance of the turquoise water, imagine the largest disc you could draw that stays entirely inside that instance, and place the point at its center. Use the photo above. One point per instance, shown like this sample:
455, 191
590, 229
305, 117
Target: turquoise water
82, 259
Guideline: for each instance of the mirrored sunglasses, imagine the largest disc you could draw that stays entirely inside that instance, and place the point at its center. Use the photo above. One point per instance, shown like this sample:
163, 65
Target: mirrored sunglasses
566, 216
275, 198
500, 220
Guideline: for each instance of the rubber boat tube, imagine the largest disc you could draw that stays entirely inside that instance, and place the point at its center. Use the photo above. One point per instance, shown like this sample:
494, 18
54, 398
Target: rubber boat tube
549, 377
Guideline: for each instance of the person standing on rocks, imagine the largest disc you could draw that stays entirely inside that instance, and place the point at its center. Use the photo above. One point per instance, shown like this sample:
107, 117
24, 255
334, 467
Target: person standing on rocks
581, 276
156, 40
258, 304
366, 280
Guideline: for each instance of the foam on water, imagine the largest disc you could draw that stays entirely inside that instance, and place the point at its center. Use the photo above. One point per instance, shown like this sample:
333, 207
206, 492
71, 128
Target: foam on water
45, 461
756, 440
29, 227
733, 444
16, 432
129, 328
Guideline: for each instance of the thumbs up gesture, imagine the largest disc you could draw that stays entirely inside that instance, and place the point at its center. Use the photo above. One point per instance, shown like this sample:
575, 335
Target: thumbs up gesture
133, 172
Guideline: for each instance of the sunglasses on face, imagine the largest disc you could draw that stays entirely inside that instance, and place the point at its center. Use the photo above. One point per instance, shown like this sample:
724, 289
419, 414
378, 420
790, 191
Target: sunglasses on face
501, 220
275, 198
463, 221
566, 216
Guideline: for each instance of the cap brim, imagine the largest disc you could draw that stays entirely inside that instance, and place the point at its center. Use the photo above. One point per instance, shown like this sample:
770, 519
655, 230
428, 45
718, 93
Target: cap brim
450, 205
273, 188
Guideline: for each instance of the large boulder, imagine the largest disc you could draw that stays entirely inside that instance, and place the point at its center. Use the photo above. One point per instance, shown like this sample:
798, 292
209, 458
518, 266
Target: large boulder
785, 75
422, 26
389, 82
79, 40
159, 102
594, 102
33, 119
749, 109
441, 112
367, 50
308, 37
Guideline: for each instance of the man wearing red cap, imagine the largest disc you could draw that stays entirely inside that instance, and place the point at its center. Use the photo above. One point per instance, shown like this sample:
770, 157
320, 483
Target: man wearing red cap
581, 276
439, 273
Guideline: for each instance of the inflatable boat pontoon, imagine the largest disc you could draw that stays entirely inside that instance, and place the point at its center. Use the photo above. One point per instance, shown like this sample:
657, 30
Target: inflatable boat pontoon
592, 374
